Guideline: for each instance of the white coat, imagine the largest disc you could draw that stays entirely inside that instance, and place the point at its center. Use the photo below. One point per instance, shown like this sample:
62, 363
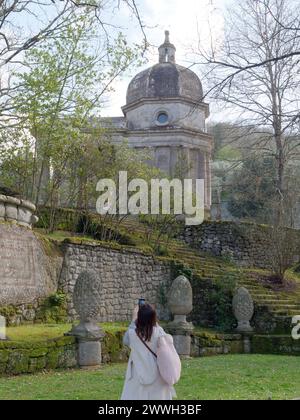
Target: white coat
142, 380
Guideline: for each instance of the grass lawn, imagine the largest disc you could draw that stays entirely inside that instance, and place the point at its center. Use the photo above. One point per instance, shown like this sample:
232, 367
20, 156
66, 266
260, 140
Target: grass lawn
221, 377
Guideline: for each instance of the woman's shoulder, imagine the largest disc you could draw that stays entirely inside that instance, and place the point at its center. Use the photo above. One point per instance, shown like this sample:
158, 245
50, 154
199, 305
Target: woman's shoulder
159, 330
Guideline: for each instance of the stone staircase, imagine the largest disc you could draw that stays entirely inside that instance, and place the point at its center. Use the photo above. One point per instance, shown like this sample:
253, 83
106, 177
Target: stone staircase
282, 305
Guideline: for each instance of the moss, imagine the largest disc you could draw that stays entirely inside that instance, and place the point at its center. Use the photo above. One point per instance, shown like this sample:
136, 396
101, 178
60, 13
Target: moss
37, 352
25, 357
67, 357
4, 356
207, 339
63, 341
9, 312
26, 344
235, 347
275, 344
36, 364
18, 362
51, 248
112, 345
53, 309
52, 359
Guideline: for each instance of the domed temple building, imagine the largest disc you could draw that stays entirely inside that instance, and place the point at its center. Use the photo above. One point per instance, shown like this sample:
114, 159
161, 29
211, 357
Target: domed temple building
164, 111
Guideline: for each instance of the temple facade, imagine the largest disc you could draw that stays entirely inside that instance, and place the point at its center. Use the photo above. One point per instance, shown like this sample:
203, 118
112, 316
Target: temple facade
164, 112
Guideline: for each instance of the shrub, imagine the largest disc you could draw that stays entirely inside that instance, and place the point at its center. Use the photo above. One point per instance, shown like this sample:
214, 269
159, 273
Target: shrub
161, 250
220, 298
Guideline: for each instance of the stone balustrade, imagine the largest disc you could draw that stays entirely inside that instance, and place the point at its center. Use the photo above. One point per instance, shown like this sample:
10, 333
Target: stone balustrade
17, 211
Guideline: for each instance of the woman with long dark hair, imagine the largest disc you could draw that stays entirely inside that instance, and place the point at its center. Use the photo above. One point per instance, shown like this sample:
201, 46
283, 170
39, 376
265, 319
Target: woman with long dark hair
143, 380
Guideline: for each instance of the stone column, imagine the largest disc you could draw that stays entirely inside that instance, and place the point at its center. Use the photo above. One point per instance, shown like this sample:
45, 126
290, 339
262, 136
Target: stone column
208, 179
180, 302
207, 176
202, 173
173, 160
87, 300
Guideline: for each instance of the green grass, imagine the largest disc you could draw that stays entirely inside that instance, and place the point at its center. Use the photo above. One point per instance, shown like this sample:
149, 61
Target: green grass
221, 377
39, 332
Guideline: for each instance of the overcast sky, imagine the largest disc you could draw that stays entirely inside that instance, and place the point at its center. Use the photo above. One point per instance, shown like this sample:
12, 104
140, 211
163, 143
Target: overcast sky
184, 19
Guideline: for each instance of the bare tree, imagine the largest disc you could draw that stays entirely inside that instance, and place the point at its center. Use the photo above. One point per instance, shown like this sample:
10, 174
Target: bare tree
211, 55
263, 90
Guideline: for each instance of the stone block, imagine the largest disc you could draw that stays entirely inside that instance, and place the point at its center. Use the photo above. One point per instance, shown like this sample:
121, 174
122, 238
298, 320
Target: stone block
89, 353
11, 212
24, 216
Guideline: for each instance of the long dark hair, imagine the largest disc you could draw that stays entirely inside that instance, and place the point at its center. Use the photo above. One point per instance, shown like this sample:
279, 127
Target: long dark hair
146, 320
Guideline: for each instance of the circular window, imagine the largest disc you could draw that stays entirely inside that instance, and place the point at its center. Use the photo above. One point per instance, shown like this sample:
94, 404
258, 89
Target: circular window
162, 118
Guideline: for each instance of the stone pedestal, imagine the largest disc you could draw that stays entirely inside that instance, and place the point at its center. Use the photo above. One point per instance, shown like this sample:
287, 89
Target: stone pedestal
247, 343
87, 301
181, 331
89, 353
89, 337
181, 304
244, 326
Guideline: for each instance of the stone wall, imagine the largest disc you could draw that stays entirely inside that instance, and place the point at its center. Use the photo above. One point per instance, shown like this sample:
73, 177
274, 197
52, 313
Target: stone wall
246, 244
211, 344
275, 344
126, 276
18, 357
22, 357
27, 273
61, 353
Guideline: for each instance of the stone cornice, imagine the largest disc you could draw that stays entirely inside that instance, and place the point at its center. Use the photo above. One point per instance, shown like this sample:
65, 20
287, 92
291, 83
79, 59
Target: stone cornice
163, 130
181, 99
154, 138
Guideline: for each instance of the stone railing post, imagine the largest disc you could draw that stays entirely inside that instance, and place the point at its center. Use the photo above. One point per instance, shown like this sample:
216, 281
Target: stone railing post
87, 301
243, 309
180, 302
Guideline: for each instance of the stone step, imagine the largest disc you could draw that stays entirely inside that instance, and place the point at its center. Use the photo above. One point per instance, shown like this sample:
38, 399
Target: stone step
261, 295
282, 318
281, 306
256, 287
272, 301
274, 296
291, 312
199, 264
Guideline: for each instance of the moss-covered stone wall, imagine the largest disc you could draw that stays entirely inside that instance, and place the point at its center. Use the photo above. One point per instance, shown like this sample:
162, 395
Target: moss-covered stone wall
275, 344
126, 275
29, 357
206, 343
18, 357
247, 244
